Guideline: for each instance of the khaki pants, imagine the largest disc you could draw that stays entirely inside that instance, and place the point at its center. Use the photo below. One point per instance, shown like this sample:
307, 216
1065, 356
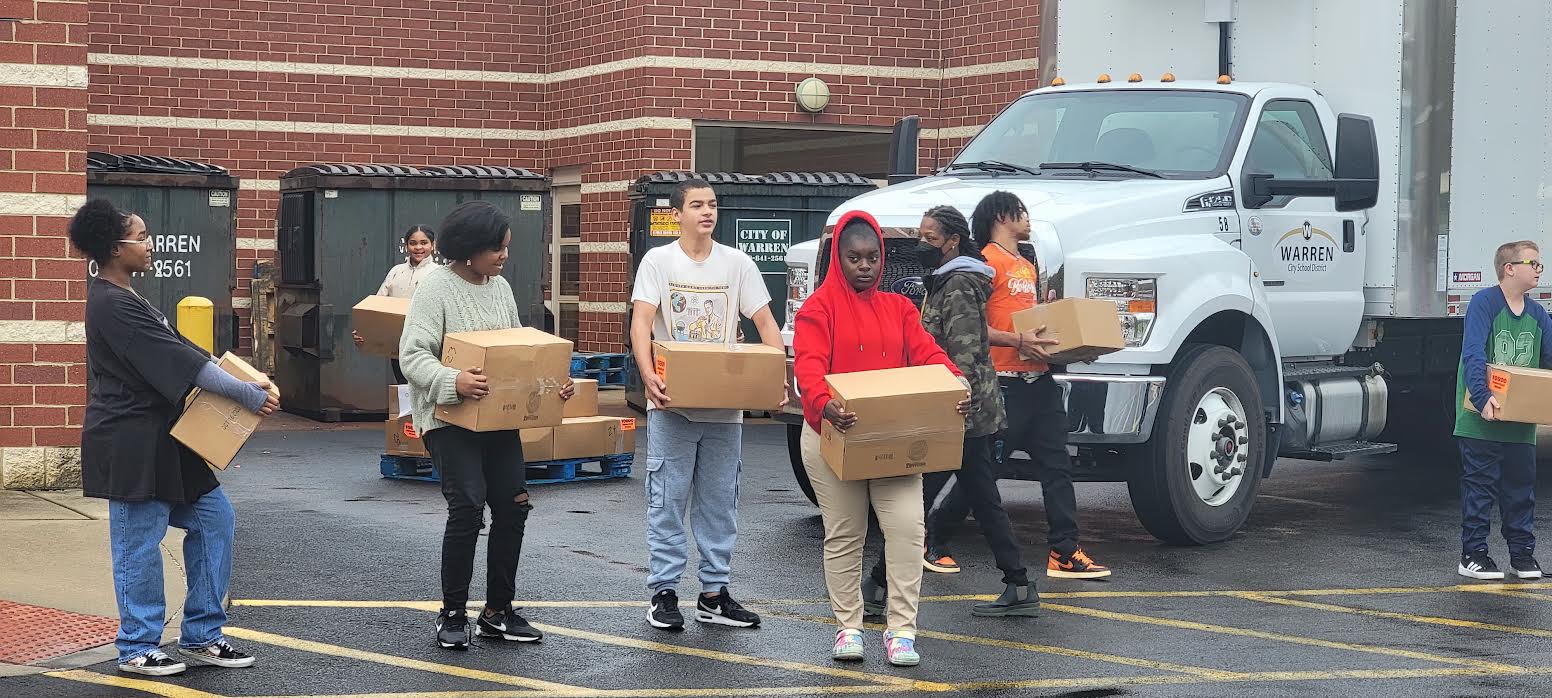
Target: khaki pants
844, 505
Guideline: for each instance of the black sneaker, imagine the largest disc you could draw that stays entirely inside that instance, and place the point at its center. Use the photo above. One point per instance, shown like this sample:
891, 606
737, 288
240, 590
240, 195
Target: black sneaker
1478, 565
1010, 603
1525, 567
219, 654
875, 598
153, 663
507, 625
663, 613
453, 630
723, 610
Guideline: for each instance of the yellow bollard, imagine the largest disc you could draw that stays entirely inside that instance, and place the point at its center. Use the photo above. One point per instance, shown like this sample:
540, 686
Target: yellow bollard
197, 321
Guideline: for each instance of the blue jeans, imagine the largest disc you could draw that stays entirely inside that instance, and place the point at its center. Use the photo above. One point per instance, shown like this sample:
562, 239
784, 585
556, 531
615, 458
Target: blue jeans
136, 532
1504, 472
691, 466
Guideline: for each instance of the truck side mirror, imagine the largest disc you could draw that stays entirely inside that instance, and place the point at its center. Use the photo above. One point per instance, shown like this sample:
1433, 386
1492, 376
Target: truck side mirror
903, 149
1357, 163
1356, 184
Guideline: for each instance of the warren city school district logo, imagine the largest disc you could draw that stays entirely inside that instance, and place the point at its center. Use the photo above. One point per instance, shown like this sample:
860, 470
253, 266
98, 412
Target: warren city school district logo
911, 287
1307, 249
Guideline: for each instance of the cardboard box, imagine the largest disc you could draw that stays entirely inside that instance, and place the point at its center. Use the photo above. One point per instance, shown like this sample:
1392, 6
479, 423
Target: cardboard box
525, 368
401, 439
585, 402
721, 376
538, 444
588, 437
907, 423
215, 427
1524, 394
380, 320
1086, 327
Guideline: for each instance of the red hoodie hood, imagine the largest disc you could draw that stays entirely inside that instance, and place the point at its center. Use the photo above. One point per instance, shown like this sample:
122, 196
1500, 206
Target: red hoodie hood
842, 330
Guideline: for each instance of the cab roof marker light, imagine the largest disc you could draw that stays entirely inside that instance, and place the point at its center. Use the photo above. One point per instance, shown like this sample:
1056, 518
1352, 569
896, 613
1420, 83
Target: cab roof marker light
1103, 78
1134, 77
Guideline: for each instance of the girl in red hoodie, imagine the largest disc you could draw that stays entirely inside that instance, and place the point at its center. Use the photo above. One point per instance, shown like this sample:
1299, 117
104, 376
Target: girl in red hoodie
848, 325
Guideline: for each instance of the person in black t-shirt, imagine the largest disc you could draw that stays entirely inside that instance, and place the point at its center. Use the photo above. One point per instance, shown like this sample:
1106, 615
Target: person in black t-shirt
141, 371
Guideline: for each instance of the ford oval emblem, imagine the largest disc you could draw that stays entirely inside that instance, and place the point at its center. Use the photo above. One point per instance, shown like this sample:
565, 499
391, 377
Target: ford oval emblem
911, 287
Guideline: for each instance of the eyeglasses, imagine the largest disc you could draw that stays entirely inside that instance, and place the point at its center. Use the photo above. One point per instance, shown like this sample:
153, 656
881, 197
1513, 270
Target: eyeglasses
136, 242
1534, 264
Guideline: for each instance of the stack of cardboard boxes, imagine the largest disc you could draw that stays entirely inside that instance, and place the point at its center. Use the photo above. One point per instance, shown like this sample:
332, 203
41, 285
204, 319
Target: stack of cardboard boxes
526, 369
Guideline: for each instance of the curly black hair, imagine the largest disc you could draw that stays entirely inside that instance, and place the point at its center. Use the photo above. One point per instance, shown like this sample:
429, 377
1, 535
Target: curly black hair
953, 223
472, 228
96, 227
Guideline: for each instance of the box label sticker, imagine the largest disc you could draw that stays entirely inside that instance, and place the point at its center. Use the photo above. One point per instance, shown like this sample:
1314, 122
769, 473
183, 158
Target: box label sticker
409, 430
660, 367
627, 424
1498, 381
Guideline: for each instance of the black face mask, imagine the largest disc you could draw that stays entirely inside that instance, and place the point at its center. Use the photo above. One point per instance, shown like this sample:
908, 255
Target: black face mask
928, 256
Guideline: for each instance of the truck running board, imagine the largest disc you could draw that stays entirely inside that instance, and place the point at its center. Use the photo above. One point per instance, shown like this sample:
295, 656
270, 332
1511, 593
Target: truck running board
1341, 451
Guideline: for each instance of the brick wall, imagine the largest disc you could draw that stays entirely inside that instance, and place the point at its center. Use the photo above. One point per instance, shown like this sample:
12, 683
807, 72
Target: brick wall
42, 162
608, 86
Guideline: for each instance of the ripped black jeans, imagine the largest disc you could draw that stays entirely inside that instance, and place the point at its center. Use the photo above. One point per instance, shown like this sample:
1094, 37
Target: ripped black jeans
480, 469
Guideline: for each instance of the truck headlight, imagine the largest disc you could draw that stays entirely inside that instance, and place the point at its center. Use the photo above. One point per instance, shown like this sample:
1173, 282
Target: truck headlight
1136, 299
797, 290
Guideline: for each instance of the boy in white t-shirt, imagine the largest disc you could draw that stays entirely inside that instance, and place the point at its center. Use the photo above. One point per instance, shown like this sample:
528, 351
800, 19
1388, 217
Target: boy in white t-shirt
694, 290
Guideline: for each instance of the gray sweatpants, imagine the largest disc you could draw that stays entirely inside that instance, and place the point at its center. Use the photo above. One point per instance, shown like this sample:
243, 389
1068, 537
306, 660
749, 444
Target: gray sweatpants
692, 467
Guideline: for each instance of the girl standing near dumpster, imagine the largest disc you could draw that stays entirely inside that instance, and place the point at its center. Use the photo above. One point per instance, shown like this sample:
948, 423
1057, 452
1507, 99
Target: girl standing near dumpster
419, 248
478, 469
141, 371
848, 325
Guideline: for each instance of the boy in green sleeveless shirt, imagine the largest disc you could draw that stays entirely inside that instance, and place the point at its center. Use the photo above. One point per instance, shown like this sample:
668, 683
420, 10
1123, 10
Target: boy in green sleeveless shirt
1498, 459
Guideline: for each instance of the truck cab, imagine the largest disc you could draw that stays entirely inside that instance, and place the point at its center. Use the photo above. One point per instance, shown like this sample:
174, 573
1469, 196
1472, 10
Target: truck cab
1226, 222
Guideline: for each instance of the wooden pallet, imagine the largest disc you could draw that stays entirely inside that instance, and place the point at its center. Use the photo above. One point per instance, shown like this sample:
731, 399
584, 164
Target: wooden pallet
540, 473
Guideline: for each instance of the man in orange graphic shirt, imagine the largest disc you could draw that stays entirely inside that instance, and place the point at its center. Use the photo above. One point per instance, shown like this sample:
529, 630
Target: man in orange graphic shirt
1037, 415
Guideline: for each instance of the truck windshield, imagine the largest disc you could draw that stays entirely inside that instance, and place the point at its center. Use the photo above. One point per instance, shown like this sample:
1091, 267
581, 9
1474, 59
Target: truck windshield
1178, 134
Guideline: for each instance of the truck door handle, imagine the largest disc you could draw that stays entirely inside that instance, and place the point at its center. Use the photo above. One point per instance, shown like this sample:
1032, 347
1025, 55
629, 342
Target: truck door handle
1348, 228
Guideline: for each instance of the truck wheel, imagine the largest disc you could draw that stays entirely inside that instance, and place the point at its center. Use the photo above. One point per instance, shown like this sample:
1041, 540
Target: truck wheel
1201, 471
795, 454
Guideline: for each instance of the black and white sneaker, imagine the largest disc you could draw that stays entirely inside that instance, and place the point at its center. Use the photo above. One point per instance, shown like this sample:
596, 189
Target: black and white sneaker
153, 663
723, 610
1478, 565
1525, 567
507, 625
663, 612
453, 630
220, 654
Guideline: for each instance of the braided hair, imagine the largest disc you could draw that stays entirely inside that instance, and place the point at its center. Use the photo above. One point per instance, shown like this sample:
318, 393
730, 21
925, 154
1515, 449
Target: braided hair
953, 223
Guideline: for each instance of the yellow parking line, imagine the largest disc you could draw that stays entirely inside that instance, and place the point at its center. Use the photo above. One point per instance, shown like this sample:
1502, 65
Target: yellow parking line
1511, 592
1430, 620
1249, 677
156, 688
391, 660
772, 691
433, 606
743, 659
1027, 647
1279, 637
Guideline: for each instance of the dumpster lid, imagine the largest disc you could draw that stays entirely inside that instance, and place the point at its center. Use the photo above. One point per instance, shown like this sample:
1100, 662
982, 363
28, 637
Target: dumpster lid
814, 179
155, 170
675, 177
820, 179
425, 177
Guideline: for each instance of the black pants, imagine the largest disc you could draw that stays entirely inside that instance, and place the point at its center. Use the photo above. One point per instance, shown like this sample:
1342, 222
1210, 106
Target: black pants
1037, 425
480, 469
978, 487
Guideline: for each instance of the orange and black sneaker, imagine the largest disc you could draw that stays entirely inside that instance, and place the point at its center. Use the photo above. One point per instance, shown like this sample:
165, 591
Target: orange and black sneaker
939, 561
1074, 566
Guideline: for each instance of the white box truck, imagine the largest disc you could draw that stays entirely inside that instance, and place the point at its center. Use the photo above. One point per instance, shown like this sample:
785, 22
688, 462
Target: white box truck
1290, 202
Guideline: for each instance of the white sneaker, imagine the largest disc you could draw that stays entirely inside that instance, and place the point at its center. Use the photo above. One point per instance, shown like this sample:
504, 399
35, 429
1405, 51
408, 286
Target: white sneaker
153, 663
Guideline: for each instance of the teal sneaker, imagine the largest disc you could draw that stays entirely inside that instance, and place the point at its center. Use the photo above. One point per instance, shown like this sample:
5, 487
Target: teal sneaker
848, 646
900, 647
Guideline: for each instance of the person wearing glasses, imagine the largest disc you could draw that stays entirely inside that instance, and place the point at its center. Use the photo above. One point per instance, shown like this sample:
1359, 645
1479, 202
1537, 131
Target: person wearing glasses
1498, 459
141, 371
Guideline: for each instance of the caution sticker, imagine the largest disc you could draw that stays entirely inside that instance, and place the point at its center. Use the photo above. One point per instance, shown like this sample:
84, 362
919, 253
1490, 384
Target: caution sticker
1498, 381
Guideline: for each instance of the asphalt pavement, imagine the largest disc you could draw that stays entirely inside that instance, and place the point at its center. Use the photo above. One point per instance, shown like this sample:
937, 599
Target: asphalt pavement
1342, 583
